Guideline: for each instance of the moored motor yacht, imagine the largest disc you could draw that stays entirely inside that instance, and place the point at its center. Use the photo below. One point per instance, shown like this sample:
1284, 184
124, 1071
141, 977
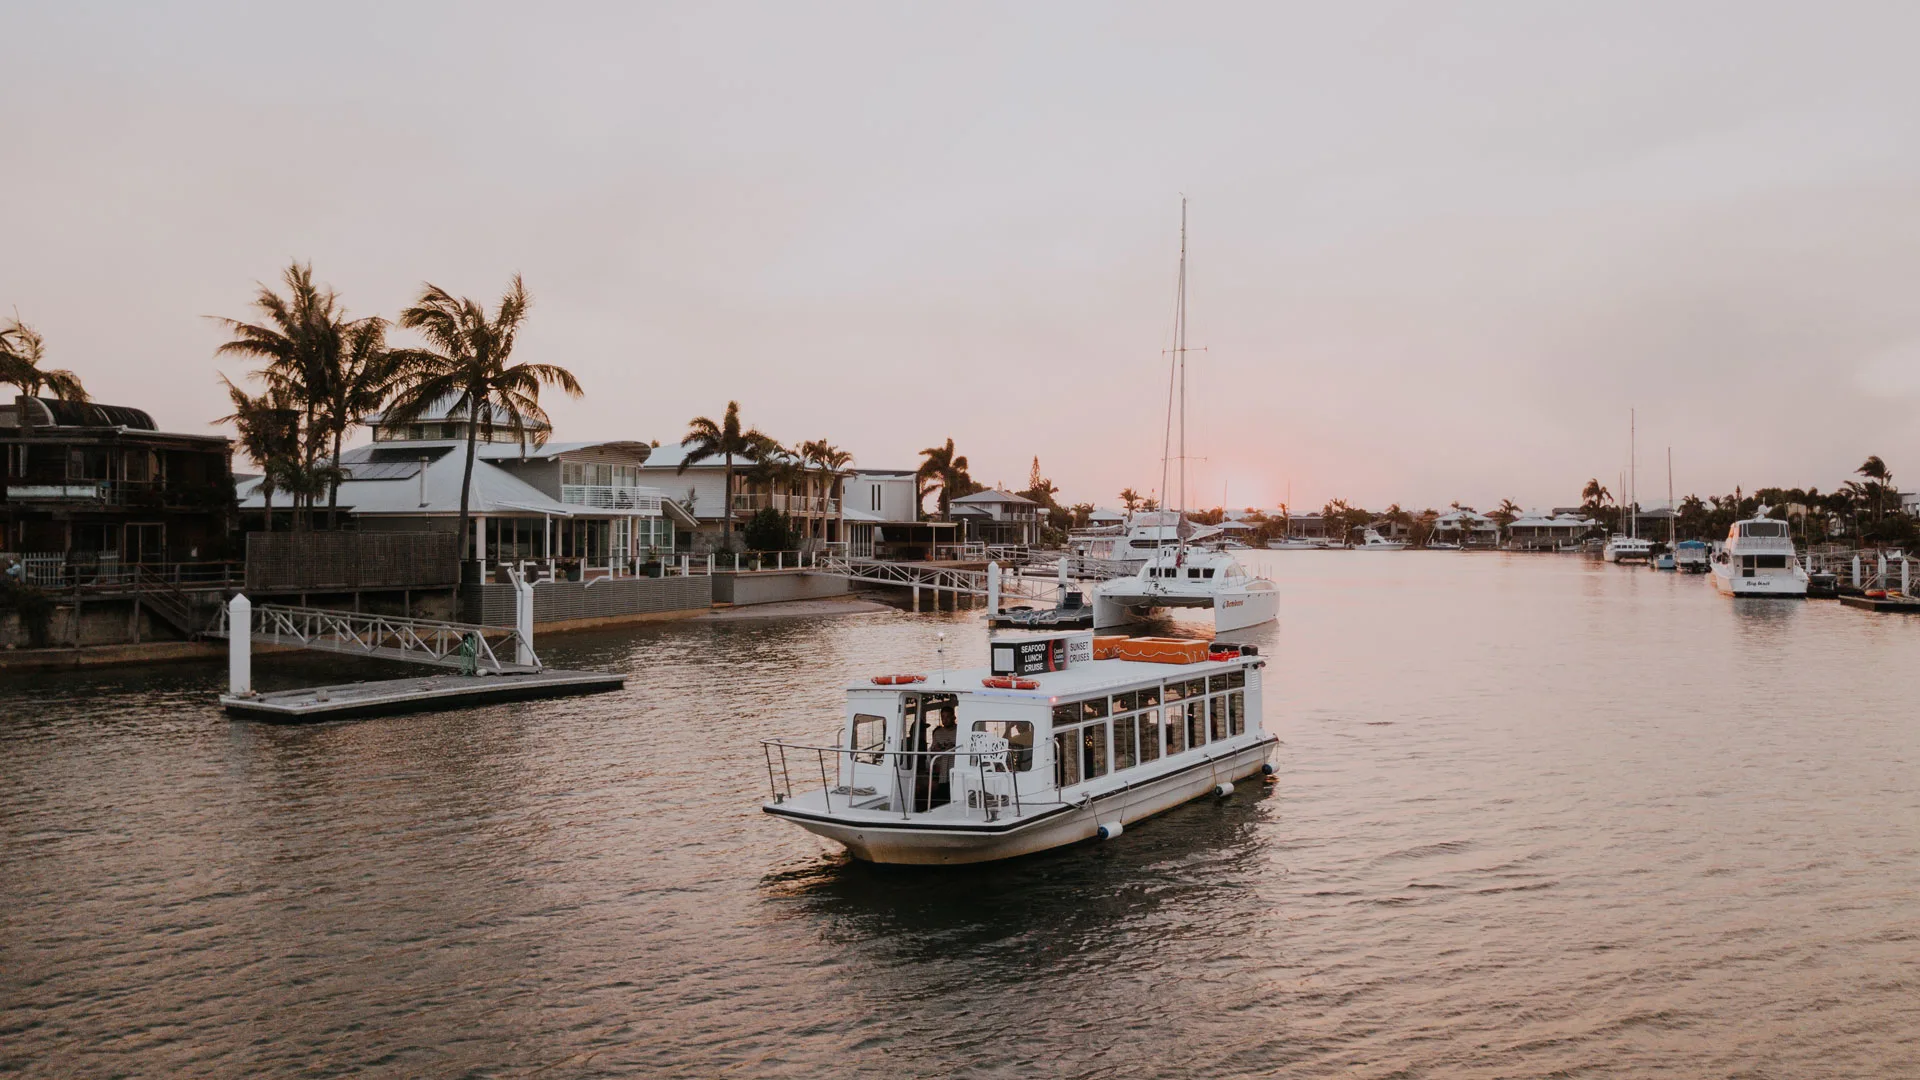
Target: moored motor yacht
1297, 543
1691, 557
1125, 548
1758, 559
1371, 540
1046, 746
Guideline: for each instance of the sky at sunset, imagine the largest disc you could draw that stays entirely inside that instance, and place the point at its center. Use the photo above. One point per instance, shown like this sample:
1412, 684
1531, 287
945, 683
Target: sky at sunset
1438, 250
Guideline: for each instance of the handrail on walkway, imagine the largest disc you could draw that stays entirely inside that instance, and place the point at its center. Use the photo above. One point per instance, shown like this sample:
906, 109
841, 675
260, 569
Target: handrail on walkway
390, 637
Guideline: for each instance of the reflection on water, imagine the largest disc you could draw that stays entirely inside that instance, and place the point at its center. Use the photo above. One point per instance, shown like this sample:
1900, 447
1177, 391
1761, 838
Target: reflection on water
1534, 816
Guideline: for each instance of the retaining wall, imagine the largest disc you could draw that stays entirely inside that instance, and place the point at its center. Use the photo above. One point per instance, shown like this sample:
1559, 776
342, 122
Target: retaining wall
773, 586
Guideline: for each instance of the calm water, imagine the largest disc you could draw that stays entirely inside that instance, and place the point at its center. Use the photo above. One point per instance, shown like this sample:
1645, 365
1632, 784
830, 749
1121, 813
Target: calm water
1536, 816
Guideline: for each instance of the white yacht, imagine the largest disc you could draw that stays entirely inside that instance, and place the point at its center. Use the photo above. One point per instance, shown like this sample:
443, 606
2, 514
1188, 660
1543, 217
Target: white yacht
1297, 543
1621, 548
1182, 575
1691, 557
1758, 560
1045, 747
1371, 540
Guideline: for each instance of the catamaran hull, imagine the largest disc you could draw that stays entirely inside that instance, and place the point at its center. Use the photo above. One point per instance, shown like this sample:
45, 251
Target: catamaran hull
908, 843
1235, 609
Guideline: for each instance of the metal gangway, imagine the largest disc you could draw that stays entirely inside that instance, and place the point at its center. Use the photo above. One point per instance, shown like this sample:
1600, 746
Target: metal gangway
388, 637
947, 579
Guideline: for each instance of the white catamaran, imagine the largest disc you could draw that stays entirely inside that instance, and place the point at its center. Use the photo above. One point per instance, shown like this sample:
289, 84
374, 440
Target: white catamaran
1047, 746
1178, 572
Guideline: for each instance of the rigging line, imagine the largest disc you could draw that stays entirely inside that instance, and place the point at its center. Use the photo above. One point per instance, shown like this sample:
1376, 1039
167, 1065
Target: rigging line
1166, 439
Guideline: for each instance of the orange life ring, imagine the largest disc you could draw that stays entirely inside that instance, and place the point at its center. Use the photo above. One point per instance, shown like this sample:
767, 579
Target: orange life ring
1001, 682
897, 680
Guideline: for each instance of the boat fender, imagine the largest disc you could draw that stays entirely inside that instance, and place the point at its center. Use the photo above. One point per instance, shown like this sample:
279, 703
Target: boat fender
1267, 769
1223, 790
1111, 829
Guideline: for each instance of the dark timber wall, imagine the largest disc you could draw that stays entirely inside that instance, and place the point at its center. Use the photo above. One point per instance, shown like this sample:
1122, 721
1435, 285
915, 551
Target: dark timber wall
347, 561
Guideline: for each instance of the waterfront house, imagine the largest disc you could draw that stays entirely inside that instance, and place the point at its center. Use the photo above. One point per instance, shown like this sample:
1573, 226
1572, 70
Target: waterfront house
1537, 531
807, 497
101, 485
998, 518
880, 517
1467, 527
1310, 526
566, 508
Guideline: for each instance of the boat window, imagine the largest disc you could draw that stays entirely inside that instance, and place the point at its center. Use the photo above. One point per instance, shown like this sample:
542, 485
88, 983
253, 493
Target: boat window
1066, 759
1065, 714
1763, 528
1093, 708
1237, 712
1237, 678
869, 737
1093, 751
1196, 687
1150, 736
1770, 562
1176, 728
1216, 683
1207, 572
1217, 715
1126, 702
1175, 691
1196, 723
1019, 736
1124, 732
1150, 697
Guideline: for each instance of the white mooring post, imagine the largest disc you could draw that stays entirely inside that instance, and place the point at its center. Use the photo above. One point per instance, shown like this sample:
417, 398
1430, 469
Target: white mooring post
240, 646
1883, 569
1904, 582
993, 589
1063, 572
1856, 571
523, 619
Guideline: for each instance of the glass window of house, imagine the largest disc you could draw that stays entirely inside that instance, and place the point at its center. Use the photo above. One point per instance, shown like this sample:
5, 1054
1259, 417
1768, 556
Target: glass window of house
1197, 722
869, 737
1093, 708
1217, 715
1066, 758
1176, 728
1126, 702
1149, 697
1237, 712
1093, 751
1019, 736
1125, 755
1150, 736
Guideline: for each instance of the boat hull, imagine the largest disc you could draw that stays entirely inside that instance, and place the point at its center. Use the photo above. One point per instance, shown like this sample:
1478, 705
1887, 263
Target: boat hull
1789, 583
910, 843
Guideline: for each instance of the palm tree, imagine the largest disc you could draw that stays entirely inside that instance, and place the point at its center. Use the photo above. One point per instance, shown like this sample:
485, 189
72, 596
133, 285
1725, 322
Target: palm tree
301, 340
465, 369
360, 385
1879, 479
1129, 498
829, 459
943, 472
1504, 514
268, 434
726, 440
22, 350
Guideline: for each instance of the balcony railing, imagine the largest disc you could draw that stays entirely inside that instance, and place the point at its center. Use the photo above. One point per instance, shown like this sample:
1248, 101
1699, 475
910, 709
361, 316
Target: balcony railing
753, 503
105, 492
612, 497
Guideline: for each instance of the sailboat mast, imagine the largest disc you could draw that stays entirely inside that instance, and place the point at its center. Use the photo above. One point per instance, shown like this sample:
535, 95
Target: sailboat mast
1633, 474
1672, 513
1180, 357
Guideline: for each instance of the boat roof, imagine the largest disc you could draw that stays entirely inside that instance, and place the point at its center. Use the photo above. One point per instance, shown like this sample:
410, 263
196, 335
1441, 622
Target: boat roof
1075, 681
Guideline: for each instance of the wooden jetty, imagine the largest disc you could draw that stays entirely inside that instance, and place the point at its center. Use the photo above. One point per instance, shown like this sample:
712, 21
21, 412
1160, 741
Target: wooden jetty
391, 696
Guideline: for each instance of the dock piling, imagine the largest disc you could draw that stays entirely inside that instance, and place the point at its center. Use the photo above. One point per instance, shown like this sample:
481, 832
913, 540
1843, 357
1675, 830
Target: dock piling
993, 589
240, 646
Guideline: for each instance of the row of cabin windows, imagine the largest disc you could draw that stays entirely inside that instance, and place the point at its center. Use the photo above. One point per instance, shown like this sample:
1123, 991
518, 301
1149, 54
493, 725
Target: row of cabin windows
1174, 571
1147, 697
1089, 751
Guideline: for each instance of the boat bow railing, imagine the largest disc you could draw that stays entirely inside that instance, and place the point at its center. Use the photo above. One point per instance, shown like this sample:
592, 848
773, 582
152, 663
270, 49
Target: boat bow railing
983, 755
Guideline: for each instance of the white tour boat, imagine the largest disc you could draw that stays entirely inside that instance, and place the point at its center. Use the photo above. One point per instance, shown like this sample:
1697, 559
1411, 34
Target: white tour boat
1045, 747
1758, 560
